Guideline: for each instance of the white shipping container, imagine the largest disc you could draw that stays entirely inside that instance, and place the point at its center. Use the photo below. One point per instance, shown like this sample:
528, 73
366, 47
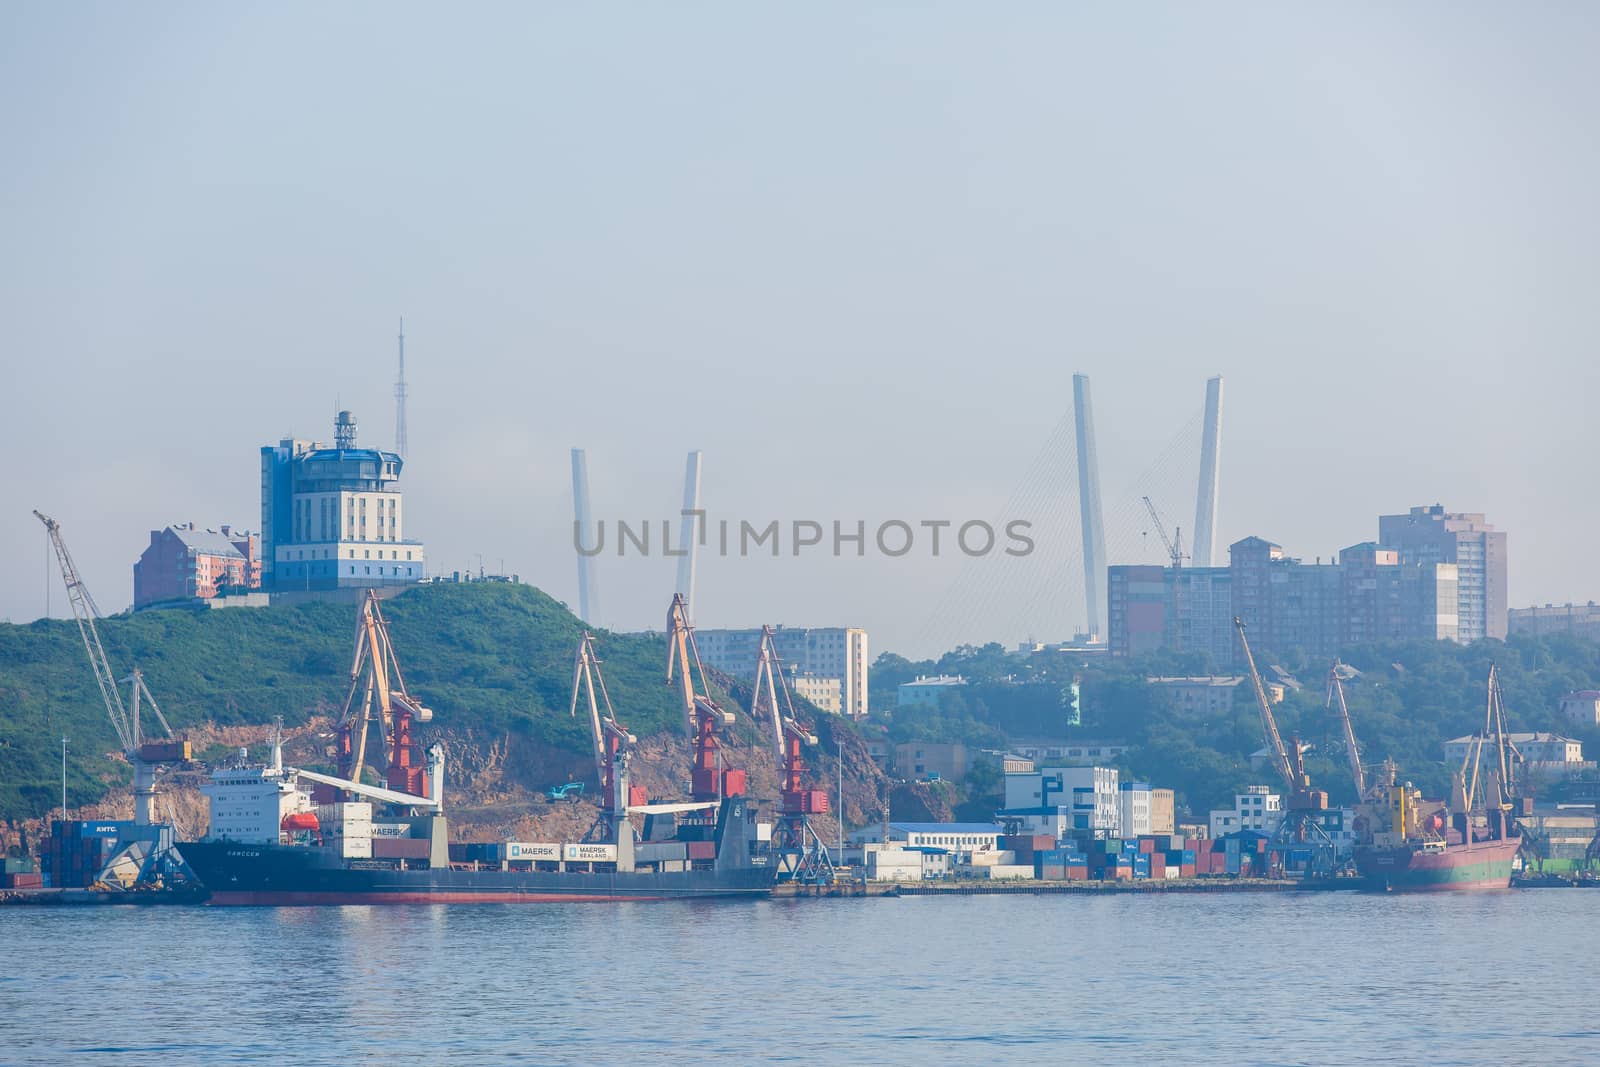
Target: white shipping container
763, 831
357, 848
544, 853
390, 829
590, 853
1009, 871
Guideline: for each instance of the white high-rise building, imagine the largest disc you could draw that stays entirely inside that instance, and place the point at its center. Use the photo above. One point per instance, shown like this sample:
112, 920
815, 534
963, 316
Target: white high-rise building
810, 656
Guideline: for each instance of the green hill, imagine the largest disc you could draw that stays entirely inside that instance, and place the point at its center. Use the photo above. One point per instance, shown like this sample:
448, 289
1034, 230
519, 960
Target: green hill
486, 657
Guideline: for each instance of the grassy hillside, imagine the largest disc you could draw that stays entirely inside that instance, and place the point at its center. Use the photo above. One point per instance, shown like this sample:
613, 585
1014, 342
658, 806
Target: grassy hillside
488, 658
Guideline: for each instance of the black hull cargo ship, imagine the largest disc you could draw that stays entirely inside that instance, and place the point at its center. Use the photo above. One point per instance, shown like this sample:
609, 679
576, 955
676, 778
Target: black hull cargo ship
510, 873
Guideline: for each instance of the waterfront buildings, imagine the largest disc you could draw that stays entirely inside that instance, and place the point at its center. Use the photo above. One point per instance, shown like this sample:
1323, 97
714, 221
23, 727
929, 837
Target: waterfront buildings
926, 691
1433, 535
333, 517
1546, 755
183, 563
1058, 800
1258, 808
827, 665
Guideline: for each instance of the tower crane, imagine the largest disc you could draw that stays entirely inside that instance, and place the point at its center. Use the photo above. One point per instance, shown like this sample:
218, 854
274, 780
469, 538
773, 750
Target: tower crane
801, 855
1336, 692
144, 754
1174, 546
1302, 821
612, 741
387, 702
702, 715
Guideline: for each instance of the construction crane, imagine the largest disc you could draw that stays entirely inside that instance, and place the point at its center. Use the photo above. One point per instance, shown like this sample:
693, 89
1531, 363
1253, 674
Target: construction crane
702, 715
1303, 807
612, 741
800, 852
375, 672
1336, 692
145, 755
1174, 546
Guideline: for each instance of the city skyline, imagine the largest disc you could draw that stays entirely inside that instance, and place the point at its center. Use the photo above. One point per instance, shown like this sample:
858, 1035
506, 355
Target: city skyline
1399, 313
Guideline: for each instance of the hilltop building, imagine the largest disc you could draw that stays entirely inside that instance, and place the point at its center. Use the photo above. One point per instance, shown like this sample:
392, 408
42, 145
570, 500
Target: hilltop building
1370, 593
333, 517
1478, 550
1579, 620
926, 690
826, 665
183, 563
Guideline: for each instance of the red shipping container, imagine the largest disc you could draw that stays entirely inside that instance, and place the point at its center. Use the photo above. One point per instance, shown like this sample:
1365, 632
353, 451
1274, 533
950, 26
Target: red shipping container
1077, 874
1186, 871
401, 848
702, 850
1147, 844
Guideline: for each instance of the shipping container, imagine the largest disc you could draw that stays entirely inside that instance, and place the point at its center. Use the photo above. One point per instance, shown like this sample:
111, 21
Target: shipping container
588, 853
1077, 874
399, 848
536, 852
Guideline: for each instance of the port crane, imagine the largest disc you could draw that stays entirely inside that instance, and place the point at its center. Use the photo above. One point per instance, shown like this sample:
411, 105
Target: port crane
612, 741
801, 856
1303, 807
1336, 694
385, 701
145, 754
702, 715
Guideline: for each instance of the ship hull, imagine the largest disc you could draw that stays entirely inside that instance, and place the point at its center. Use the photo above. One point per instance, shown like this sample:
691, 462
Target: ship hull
1482, 865
286, 875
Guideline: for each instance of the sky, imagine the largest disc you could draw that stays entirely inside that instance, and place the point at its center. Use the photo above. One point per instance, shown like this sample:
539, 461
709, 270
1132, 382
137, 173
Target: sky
854, 253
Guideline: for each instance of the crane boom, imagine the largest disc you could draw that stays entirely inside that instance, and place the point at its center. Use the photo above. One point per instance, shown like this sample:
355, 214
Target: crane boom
610, 738
1269, 725
86, 611
1336, 691
1174, 544
702, 715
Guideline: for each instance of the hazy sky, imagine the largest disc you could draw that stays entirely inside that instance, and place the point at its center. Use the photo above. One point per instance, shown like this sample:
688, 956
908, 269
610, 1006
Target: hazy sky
853, 254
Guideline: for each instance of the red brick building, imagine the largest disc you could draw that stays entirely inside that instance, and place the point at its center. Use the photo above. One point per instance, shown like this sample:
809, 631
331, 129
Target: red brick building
183, 563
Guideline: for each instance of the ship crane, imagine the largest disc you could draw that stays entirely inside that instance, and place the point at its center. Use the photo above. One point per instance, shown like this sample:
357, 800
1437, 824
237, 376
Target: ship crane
145, 754
702, 715
1303, 807
612, 741
375, 676
801, 855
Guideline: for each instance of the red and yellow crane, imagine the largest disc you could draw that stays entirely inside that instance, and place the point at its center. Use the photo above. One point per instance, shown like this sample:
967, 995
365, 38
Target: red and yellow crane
708, 780
612, 741
386, 702
801, 855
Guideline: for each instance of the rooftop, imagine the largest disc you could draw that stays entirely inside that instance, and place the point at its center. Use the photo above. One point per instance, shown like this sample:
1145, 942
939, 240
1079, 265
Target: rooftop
207, 542
945, 827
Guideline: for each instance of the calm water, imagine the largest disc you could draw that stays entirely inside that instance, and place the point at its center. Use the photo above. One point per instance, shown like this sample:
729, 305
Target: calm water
1319, 978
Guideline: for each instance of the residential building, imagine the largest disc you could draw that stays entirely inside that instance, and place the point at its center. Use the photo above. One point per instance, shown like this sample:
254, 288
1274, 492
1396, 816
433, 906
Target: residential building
1579, 620
1208, 694
1370, 592
1433, 535
925, 760
926, 691
826, 694
1540, 752
1258, 808
1163, 812
810, 657
1085, 752
183, 563
333, 517
1582, 707
1133, 804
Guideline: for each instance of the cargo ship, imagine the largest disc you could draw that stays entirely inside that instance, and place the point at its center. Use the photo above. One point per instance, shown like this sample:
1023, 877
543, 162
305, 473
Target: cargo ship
1429, 848
286, 836
274, 845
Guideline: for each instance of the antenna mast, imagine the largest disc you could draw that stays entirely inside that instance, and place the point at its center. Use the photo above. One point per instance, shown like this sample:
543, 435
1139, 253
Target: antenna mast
400, 397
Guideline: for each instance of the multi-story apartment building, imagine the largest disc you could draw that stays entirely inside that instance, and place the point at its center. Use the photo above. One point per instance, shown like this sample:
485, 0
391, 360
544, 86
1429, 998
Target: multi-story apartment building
183, 563
814, 653
333, 518
1433, 535
1371, 592
1580, 620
